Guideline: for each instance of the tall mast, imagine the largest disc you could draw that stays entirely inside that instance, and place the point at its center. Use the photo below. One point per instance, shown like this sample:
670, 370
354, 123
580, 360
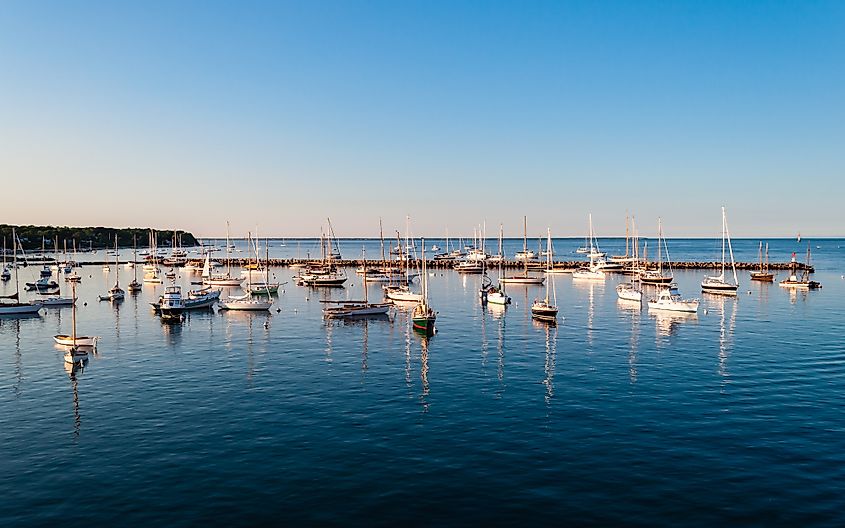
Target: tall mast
116, 264
723, 243
425, 275
525, 242
767, 257
626, 236
501, 258
659, 255
15, 263
228, 259
730, 247
73, 315
381, 236
134, 258
548, 258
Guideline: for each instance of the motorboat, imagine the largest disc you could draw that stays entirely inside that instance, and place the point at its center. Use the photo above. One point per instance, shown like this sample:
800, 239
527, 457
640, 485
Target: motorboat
669, 299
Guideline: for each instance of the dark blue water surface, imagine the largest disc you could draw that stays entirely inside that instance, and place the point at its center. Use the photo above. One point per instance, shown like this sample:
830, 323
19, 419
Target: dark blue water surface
615, 416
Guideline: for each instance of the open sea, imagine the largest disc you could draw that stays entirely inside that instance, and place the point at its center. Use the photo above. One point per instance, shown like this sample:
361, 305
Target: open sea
734, 415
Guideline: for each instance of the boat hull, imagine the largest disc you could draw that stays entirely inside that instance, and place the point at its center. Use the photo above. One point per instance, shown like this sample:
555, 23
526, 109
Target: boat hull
522, 280
19, 308
66, 340
245, 305
762, 276
675, 306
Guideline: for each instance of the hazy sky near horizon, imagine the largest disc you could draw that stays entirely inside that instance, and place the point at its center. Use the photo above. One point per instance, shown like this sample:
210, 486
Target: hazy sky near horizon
280, 114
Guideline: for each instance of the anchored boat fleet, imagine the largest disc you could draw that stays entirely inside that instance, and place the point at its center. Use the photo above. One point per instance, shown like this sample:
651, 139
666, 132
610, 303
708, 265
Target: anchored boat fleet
649, 282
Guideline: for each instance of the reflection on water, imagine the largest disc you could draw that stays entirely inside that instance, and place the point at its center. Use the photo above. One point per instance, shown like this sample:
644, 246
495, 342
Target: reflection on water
334, 418
74, 370
726, 335
550, 357
424, 340
667, 323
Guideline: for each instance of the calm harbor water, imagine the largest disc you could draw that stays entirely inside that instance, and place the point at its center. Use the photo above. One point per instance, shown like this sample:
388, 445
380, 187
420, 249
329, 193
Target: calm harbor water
617, 415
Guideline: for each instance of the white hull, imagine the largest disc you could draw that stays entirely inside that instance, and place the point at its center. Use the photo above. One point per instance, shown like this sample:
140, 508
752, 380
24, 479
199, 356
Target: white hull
628, 293
498, 298
403, 296
588, 275
674, 306
222, 282
245, 305
522, 280
57, 301
66, 340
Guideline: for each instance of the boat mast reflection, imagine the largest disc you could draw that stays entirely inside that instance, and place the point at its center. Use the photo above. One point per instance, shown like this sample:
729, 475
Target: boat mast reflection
549, 365
74, 370
726, 337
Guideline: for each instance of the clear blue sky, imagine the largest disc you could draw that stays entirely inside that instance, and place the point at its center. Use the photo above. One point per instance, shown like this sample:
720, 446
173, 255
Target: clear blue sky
278, 114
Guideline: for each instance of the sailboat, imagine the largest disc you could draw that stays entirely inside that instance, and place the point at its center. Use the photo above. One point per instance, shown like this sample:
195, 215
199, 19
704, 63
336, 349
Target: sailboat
524, 277
544, 310
631, 290
74, 340
668, 298
763, 275
423, 317
594, 270
115, 293
401, 292
265, 287
6, 275
15, 307
227, 279
326, 273
804, 282
151, 270
134, 286
76, 353
356, 308
246, 301
495, 294
657, 277
717, 284
626, 258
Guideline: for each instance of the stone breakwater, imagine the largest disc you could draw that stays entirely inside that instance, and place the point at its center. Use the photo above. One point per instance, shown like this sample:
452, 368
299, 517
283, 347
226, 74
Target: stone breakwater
511, 264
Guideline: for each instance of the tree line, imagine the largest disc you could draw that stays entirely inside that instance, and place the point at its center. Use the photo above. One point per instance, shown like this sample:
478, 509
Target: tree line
31, 237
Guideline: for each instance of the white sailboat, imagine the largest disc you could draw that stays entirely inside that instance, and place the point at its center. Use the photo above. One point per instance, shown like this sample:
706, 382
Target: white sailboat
400, 292
152, 273
343, 309
10, 304
245, 302
116, 293
6, 275
227, 279
593, 271
524, 277
134, 286
77, 353
546, 309
631, 290
718, 284
657, 277
74, 340
495, 294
